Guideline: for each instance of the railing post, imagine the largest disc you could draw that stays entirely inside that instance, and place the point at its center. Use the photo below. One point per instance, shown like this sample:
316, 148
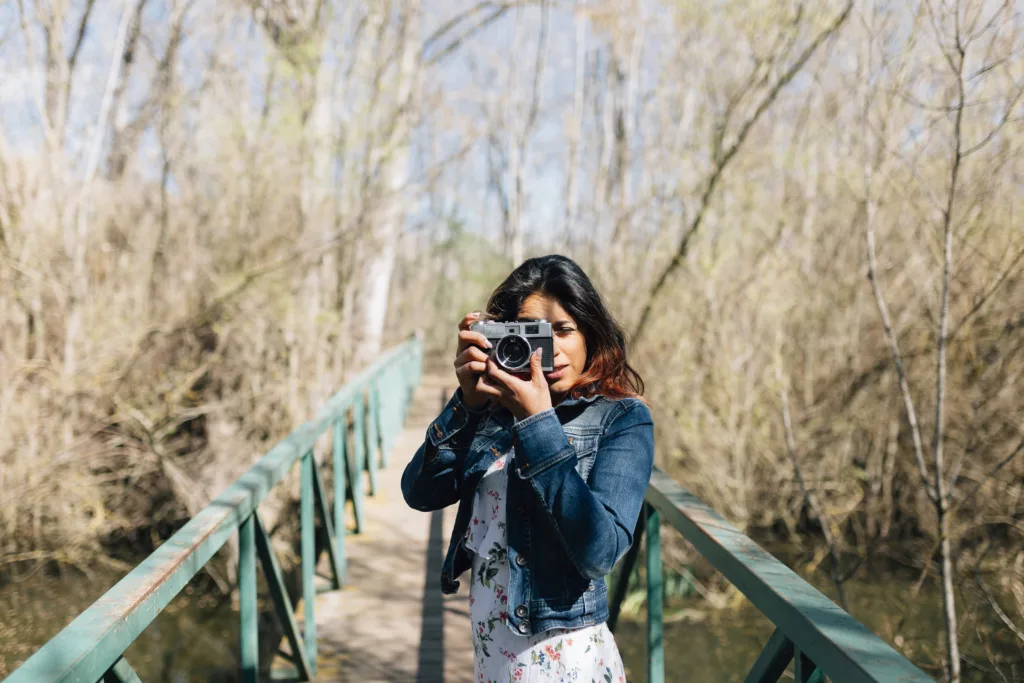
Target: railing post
282, 603
362, 456
339, 492
372, 453
353, 466
121, 672
358, 441
406, 386
307, 524
399, 395
804, 670
773, 660
379, 426
393, 422
419, 363
321, 507
625, 571
418, 355
248, 612
655, 600
384, 416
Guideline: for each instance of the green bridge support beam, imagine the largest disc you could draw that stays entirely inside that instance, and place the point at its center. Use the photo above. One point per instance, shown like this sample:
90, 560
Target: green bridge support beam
282, 603
773, 660
655, 600
322, 507
340, 498
308, 530
247, 602
121, 672
354, 471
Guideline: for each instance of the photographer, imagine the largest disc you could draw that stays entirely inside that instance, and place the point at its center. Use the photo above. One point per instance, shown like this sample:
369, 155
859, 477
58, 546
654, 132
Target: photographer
549, 470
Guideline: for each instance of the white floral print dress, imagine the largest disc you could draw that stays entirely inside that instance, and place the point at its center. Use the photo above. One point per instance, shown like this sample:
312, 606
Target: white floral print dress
501, 655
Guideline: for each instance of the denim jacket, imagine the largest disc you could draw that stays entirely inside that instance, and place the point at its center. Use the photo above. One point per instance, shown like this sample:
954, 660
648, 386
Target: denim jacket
575, 489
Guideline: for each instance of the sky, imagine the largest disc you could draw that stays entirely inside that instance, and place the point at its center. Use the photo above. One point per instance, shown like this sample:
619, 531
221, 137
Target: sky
480, 77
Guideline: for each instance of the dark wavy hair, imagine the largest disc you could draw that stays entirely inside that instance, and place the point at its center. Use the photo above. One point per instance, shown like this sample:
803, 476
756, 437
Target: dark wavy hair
607, 372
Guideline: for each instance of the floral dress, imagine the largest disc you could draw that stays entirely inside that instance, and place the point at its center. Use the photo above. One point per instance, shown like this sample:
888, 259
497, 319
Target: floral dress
502, 655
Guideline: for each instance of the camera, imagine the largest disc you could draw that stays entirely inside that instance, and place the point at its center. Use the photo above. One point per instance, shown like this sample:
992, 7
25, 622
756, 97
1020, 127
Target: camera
513, 342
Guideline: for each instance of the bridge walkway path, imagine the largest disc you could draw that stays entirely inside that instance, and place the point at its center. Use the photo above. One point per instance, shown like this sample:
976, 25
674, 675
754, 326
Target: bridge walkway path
391, 622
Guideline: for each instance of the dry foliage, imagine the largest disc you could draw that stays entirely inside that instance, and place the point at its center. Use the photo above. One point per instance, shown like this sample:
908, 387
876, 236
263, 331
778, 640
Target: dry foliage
272, 191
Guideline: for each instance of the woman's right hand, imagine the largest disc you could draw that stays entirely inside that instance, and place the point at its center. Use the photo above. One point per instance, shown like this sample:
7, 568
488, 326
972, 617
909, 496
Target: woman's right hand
471, 363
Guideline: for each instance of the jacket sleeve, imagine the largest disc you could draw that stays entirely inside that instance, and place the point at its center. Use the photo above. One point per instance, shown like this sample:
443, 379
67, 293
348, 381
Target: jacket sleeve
431, 479
595, 521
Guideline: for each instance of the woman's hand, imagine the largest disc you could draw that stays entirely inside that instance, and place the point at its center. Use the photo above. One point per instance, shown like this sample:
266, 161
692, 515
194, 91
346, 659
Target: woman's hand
524, 397
470, 363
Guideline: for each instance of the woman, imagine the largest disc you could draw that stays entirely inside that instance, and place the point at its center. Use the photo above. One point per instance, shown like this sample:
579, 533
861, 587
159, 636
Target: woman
549, 472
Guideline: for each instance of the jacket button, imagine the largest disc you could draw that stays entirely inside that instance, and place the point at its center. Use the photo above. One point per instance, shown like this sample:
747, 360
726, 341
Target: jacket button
521, 611
524, 627
520, 560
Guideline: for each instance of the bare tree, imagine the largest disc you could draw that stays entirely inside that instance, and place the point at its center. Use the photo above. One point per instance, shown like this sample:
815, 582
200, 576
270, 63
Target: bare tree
282, 188
968, 26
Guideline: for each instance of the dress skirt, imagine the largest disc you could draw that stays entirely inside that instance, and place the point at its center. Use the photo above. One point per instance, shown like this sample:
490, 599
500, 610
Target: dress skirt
500, 654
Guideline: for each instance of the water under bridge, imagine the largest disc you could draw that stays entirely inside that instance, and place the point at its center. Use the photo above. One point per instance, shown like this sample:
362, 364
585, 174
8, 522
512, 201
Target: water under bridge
367, 604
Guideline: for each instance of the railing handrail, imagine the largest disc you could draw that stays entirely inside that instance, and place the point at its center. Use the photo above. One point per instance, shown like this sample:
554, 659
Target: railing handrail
87, 648
843, 648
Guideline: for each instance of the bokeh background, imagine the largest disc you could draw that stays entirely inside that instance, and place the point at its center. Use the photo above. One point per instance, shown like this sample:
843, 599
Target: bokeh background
808, 215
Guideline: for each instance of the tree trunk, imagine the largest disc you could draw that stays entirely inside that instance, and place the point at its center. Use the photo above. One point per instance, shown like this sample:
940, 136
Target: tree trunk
575, 132
948, 603
377, 273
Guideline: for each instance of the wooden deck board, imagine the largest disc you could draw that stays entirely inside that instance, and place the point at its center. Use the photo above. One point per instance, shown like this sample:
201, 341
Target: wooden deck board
391, 622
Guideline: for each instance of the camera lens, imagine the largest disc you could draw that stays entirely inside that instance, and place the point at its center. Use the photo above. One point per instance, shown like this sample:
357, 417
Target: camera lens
512, 352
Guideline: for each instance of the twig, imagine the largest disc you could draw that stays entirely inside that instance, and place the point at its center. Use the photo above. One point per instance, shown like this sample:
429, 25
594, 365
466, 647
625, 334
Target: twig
890, 336
812, 505
499, 10
726, 157
992, 602
991, 473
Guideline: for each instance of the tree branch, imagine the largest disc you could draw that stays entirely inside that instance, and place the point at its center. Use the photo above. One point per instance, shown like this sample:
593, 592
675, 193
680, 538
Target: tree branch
809, 500
499, 10
992, 602
969, 495
890, 336
716, 174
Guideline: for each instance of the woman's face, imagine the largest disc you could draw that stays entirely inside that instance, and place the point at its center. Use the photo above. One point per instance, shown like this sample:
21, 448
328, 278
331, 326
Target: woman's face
570, 346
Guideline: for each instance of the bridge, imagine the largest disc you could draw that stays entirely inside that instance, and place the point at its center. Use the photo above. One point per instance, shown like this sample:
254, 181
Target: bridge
368, 606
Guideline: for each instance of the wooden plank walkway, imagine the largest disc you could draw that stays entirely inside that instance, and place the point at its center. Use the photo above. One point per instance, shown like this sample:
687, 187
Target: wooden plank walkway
391, 622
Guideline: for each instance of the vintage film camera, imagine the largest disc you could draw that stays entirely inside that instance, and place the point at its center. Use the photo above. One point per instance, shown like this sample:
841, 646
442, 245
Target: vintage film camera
513, 342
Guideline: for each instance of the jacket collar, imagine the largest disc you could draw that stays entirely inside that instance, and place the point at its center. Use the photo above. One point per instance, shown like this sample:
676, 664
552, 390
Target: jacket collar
574, 401
504, 417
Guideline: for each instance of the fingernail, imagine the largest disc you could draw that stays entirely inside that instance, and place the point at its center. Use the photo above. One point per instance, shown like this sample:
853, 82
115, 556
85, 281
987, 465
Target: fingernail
474, 314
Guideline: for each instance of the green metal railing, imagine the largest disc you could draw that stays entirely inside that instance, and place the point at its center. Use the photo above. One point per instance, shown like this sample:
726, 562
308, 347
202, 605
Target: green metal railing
811, 631
91, 647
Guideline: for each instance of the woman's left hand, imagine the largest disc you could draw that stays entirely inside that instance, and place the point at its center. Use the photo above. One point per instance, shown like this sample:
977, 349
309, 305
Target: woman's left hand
523, 397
